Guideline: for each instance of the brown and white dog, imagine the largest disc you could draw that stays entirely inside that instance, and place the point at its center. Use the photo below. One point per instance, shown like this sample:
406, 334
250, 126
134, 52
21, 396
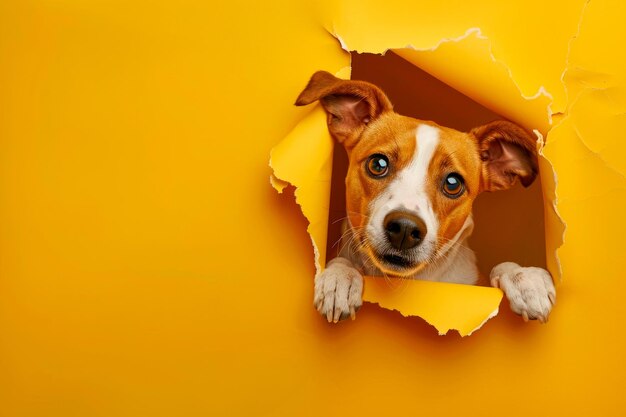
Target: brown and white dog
409, 193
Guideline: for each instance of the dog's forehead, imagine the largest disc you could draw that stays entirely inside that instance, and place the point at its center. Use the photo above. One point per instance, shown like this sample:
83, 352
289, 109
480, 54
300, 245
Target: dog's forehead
395, 135
391, 134
457, 151
452, 141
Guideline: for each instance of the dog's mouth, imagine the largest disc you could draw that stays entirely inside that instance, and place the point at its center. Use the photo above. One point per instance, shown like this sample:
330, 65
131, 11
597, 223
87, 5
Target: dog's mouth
394, 264
398, 261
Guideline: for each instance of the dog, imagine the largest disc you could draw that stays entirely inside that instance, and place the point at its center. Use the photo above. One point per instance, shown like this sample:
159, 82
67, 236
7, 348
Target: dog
410, 187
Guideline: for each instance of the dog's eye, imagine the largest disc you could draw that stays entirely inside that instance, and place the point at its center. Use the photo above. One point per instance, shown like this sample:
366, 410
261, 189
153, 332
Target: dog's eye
378, 165
453, 185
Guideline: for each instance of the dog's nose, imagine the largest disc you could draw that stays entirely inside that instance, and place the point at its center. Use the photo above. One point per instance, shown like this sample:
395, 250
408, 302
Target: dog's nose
404, 230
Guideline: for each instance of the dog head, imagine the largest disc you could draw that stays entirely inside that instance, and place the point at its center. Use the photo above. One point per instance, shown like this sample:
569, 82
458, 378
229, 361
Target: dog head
411, 183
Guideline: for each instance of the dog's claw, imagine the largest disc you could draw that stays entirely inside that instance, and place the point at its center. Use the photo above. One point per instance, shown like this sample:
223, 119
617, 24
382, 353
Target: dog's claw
495, 282
552, 298
352, 313
525, 315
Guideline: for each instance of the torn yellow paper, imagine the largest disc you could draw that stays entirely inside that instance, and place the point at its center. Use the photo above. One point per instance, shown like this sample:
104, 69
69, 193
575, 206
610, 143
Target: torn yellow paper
445, 306
534, 60
587, 147
483, 78
304, 159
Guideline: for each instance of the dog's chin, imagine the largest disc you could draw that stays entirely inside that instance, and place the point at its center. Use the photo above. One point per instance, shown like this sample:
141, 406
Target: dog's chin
396, 265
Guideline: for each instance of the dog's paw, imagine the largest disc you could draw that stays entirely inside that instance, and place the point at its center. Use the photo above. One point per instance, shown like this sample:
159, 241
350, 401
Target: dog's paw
338, 291
530, 290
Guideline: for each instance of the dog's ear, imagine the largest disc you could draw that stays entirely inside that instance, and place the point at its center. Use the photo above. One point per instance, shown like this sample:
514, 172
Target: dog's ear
507, 152
350, 105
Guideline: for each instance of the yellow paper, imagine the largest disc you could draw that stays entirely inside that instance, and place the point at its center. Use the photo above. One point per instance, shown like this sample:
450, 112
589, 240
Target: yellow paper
147, 268
445, 306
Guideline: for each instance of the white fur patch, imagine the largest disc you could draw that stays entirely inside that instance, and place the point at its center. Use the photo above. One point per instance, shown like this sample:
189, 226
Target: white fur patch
407, 191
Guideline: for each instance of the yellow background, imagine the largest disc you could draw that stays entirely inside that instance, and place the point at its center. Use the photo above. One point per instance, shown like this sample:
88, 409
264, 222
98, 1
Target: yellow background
148, 268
